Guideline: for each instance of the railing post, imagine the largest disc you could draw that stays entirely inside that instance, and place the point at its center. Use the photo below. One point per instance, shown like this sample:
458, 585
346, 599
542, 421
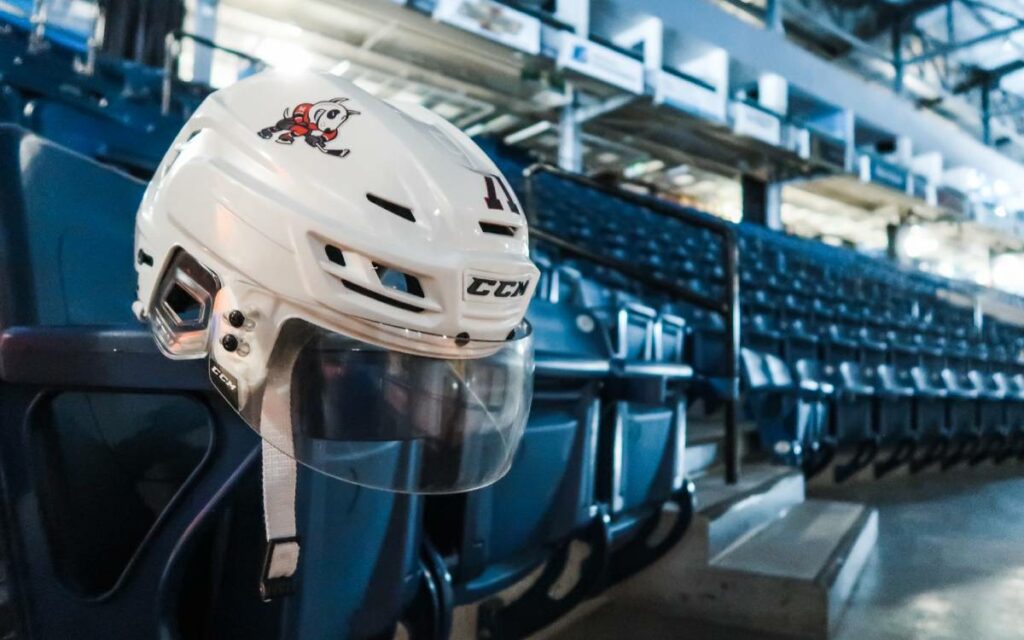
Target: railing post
733, 443
37, 39
570, 143
897, 54
171, 50
93, 44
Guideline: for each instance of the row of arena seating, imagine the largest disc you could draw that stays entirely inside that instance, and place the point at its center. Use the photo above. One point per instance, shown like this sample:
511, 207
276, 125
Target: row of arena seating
140, 482
111, 114
132, 492
847, 362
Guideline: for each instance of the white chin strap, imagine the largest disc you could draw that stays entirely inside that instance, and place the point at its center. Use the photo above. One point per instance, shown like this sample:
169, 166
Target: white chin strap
279, 481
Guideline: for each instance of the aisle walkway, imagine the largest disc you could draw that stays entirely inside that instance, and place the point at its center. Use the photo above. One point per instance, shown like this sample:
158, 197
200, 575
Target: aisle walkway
950, 558
949, 565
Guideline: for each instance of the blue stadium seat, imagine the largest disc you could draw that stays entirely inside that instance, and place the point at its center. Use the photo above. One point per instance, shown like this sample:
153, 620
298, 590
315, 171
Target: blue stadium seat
783, 412
643, 432
881, 341
962, 398
643, 443
852, 426
11, 105
818, 393
930, 418
135, 147
136, 489
491, 538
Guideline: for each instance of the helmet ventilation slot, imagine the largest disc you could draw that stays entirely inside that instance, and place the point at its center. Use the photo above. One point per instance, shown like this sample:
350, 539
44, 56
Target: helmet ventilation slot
387, 205
335, 255
178, 150
379, 297
187, 309
498, 229
395, 279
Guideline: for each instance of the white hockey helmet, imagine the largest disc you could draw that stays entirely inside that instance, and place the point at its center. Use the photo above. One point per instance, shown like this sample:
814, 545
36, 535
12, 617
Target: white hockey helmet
356, 273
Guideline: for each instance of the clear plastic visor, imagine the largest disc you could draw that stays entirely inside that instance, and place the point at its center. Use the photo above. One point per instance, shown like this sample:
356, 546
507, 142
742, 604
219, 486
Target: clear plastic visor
392, 420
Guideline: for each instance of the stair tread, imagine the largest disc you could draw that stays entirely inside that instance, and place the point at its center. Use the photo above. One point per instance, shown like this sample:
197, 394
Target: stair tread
798, 545
711, 488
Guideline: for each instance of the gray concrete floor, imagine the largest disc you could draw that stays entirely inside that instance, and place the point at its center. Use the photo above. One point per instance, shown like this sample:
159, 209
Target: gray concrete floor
949, 561
949, 564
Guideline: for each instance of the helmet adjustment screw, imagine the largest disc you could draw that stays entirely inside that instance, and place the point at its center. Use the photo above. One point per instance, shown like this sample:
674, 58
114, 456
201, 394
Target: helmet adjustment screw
229, 342
236, 318
462, 339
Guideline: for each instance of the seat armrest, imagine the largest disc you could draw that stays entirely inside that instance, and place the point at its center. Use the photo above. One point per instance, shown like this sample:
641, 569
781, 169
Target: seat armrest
672, 371
98, 357
563, 366
647, 382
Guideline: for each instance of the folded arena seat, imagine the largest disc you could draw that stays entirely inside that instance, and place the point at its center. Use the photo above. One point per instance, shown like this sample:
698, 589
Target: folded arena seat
1002, 367
819, 393
787, 402
963, 408
1014, 385
893, 404
852, 438
931, 402
488, 540
641, 469
995, 401
783, 410
133, 489
852, 427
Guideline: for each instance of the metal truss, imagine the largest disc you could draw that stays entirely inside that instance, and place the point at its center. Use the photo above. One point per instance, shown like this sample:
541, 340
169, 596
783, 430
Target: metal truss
925, 48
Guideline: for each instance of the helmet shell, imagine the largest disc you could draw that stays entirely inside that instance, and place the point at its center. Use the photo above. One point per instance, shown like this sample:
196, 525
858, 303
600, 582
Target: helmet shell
340, 209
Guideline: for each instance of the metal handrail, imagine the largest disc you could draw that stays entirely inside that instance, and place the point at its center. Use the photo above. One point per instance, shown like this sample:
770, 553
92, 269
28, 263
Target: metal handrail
37, 23
727, 305
172, 50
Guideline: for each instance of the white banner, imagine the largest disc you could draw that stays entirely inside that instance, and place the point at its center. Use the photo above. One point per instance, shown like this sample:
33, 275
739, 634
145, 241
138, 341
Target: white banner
751, 121
601, 63
686, 95
493, 21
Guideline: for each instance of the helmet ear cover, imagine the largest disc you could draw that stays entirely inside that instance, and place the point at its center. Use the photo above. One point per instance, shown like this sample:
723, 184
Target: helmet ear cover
181, 309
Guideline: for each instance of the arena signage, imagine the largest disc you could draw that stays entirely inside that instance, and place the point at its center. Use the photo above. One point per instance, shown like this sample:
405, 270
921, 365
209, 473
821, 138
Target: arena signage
691, 96
827, 150
888, 174
754, 122
919, 186
601, 63
952, 200
493, 21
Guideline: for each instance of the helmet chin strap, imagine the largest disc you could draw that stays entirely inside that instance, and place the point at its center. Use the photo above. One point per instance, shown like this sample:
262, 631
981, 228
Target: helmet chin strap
279, 481
282, 556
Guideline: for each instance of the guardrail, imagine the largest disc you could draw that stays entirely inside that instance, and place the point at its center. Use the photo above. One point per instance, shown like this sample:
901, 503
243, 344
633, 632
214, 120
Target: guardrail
172, 49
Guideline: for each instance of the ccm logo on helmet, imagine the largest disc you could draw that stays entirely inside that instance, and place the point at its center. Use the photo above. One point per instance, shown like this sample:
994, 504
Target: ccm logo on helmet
226, 383
492, 287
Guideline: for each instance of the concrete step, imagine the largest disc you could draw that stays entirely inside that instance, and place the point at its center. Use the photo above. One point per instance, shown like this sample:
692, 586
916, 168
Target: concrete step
757, 557
793, 576
701, 457
729, 513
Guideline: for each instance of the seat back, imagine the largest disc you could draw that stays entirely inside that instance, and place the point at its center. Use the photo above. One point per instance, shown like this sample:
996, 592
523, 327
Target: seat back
137, 487
499, 532
670, 338
137, 148
639, 437
11, 106
754, 370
